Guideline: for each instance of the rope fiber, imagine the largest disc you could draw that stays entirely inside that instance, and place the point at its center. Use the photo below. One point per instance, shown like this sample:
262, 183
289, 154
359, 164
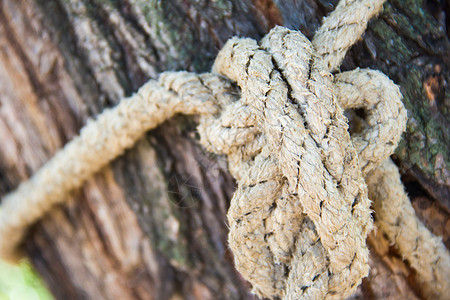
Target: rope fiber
301, 212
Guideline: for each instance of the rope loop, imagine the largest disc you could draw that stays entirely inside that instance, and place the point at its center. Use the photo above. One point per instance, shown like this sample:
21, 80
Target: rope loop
301, 213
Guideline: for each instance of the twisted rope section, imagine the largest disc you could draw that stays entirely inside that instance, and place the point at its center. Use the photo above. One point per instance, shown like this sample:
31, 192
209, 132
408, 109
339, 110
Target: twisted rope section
304, 186
302, 125
102, 140
300, 215
396, 217
343, 28
385, 119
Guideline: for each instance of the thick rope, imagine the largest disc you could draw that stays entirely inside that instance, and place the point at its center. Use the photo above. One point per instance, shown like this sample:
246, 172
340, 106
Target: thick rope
305, 130
385, 118
343, 28
300, 215
395, 216
101, 141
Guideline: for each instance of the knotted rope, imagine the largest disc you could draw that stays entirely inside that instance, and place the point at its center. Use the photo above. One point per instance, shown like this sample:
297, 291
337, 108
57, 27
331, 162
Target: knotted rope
300, 215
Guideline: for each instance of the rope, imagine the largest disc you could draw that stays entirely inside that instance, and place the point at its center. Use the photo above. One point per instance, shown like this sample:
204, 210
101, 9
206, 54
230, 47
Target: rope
396, 218
343, 28
308, 150
101, 141
301, 213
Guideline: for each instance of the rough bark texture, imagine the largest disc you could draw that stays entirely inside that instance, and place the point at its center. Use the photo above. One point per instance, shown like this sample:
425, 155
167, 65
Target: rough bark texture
152, 224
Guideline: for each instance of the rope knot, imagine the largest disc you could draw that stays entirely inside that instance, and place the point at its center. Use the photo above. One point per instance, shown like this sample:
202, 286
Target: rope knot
300, 215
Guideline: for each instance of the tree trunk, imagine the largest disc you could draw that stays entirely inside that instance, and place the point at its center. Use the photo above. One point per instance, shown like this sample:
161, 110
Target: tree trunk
152, 224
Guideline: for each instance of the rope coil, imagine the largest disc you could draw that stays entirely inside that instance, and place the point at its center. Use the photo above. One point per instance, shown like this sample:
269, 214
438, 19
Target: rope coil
301, 213
307, 173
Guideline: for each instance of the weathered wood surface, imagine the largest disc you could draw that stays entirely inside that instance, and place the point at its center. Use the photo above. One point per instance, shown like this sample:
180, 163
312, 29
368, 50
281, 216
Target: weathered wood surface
152, 224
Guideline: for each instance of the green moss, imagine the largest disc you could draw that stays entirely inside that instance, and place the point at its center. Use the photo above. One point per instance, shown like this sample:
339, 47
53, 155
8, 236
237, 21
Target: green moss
410, 42
21, 282
155, 203
182, 44
396, 49
425, 136
162, 214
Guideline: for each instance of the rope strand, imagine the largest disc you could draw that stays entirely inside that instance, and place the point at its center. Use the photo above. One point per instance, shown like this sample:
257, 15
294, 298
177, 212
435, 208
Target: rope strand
301, 213
101, 141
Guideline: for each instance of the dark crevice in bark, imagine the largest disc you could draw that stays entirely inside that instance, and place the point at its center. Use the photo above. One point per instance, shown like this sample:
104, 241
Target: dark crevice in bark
124, 7
38, 87
63, 35
100, 16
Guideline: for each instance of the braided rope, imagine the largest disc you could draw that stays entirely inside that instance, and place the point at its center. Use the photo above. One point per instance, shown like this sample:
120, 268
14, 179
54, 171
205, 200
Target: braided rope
101, 141
309, 139
342, 28
396, 217
300, 215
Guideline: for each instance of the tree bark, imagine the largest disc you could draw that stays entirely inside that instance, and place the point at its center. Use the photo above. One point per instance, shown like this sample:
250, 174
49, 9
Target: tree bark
152, 224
